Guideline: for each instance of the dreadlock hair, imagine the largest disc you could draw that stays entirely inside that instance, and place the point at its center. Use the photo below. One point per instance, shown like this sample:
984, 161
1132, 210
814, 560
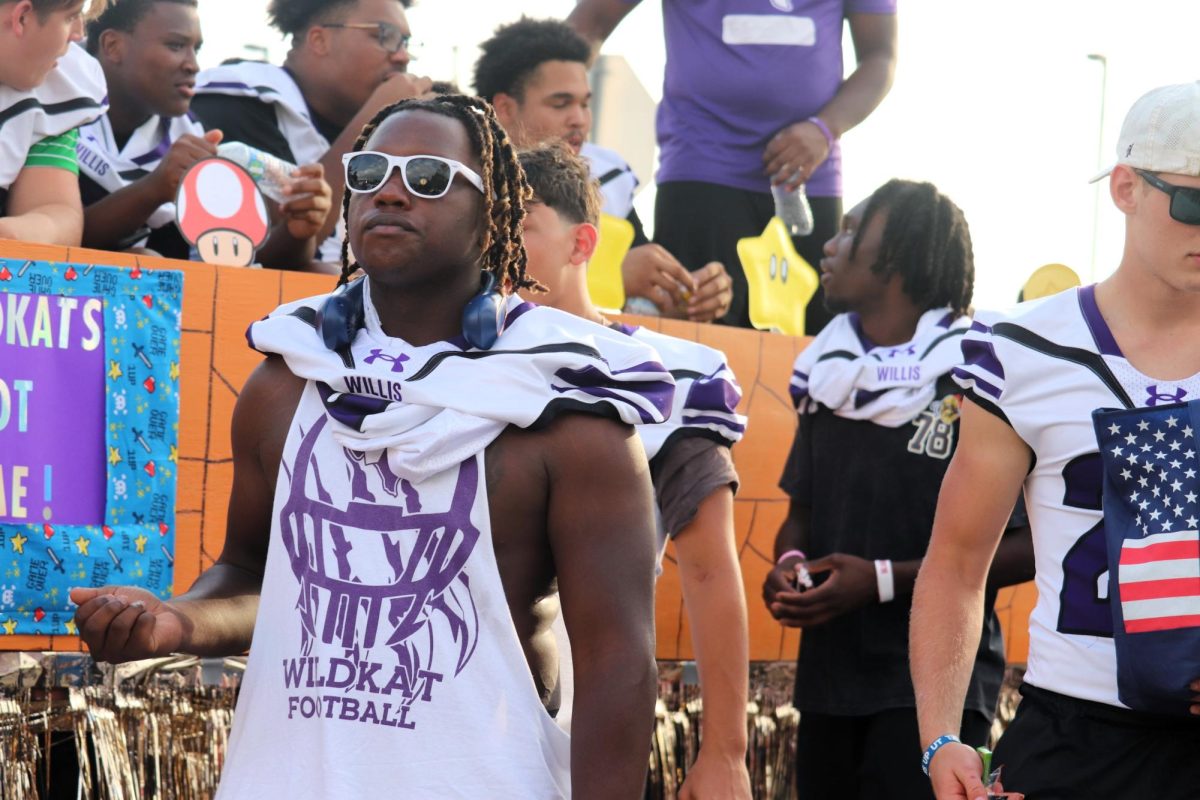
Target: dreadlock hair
562, 181
122, 15
504, 187
518, 48
294, 17
926, 240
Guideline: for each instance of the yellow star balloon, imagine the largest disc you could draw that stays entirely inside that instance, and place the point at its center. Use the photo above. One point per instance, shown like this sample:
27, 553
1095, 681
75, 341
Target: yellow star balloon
140, 541
605, 282
10, 626
114, 370
81, 544
18, 544
1049, 279
114, 456
781, 282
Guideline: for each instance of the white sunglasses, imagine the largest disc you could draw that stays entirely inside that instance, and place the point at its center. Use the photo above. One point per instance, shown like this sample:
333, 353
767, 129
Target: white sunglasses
424, 176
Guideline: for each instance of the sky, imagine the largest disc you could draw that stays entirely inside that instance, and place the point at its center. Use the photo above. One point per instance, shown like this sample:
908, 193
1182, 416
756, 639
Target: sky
999, 105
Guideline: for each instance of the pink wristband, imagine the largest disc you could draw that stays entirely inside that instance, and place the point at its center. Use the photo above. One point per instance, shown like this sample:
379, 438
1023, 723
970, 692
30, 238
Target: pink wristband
791, 553
820, 123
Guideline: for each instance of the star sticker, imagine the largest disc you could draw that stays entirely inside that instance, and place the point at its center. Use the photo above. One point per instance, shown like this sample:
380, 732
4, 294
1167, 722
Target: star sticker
1143, 425
140, 541
173, 371
114, 456
1113, 429
781, 282
1159, 436
10, 626
81, 544
70, 626
114, 370
1172, 422
18, 543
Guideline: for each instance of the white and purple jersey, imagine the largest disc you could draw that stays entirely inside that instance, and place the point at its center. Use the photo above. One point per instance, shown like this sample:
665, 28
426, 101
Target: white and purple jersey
385, 661
1044, 368
738, 72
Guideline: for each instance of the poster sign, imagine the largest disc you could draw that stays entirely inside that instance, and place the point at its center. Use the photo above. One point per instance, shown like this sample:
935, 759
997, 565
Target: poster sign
89, 410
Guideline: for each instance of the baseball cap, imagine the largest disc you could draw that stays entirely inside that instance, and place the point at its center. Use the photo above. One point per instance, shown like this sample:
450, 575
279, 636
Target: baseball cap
1161, 132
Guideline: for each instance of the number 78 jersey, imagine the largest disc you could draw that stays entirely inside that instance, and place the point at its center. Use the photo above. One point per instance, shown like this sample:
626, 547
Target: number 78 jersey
1043, 369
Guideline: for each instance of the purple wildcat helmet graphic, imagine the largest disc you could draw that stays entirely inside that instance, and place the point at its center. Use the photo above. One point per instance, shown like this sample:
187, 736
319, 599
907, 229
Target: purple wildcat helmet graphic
380, 572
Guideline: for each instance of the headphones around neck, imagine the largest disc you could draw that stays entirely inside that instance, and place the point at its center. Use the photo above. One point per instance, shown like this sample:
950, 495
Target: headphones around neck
342, 314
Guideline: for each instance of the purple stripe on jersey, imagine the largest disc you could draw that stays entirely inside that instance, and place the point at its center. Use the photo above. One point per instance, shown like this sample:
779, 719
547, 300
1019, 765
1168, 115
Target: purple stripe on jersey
517, 312
645, 366
856, 325
798, 374
600, 383
160, 149
965, 378
946, 320
704, 419
797, 394
628, 330
982, 354
862, 397
646, 417
350, 409
976, 325
1101, 334
713, 394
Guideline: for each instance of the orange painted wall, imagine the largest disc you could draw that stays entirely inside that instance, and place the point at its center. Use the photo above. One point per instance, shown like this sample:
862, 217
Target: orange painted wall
220, 302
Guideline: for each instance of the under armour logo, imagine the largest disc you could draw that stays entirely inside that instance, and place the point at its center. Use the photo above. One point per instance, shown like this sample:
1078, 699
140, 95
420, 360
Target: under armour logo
1155, 397
911, 350
396, 361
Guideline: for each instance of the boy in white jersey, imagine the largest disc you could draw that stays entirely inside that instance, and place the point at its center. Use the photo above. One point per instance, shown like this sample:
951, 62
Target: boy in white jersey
133, 158
535, 72
690, 463
48, 88
1033, 380
411, 499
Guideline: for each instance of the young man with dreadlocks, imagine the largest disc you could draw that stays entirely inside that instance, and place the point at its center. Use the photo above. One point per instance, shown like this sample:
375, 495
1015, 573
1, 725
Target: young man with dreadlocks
411, 500
690, 464
878, 422
348, 59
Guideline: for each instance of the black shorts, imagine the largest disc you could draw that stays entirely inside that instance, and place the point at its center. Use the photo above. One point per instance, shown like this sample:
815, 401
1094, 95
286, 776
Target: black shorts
868, 757
1062, 748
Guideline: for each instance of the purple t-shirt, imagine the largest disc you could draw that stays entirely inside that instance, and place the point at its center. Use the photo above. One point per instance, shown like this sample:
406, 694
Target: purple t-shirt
738, 71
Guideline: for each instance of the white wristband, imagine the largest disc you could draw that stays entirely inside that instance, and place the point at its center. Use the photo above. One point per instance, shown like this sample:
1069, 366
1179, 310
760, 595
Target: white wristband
885, 580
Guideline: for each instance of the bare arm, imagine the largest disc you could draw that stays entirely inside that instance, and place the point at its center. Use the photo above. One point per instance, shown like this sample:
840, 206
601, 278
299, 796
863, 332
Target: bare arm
596, 19
44, 206
948, 600
601, 529
716, 607
796, 151
216, 616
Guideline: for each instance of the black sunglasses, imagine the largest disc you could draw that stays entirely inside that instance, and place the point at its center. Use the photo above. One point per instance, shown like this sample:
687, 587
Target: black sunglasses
390, 38
1185, 200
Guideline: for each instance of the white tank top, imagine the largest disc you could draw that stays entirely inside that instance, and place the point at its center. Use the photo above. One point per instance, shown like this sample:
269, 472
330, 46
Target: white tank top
385, 662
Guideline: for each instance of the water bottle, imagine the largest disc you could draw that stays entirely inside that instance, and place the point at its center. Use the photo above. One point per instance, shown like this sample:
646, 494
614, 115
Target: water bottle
271, 174
793, 209
642, 306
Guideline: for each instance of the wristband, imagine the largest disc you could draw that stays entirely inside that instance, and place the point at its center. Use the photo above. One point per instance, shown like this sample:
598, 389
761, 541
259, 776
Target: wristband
885, 580
933, 748
791, 553
820, 123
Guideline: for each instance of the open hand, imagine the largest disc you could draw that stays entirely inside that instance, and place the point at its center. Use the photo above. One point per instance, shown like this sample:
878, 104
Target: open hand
123, 623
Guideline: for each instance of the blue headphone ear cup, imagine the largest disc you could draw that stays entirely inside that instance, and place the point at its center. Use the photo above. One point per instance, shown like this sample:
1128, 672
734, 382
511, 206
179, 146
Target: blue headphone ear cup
483, 316
340, 317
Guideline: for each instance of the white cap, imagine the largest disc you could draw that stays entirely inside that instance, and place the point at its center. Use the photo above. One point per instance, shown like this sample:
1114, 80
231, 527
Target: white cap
1162, 132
